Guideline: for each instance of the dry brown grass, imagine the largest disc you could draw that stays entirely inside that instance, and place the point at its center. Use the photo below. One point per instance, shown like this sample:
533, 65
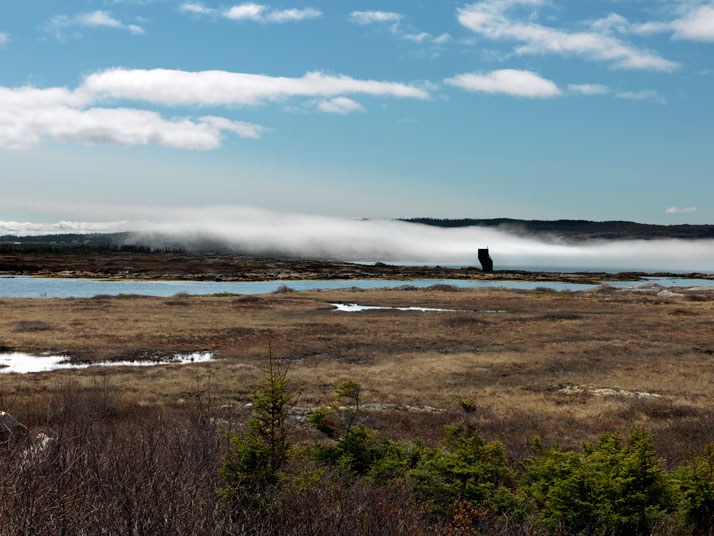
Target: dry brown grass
511, 363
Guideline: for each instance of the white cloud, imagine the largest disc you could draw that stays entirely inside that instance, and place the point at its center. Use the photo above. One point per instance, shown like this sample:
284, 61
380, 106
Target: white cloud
490, 20
506, 81
697, 25
96, 19
27, 115
245, 11
589, 89
394, 23
170, 87
4, 39
252, 11
243, 129
677, 210
611, 23
443, 38
417, 37
372, 17
289, 15
198, 9
642, 95
599, 89
694, 23
340, 105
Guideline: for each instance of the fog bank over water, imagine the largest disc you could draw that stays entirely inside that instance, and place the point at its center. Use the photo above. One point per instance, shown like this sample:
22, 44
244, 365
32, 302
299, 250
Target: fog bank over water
258, 231
264, 232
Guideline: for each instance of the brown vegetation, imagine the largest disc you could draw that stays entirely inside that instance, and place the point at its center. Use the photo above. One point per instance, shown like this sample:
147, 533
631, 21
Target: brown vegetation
514, 364
138, 449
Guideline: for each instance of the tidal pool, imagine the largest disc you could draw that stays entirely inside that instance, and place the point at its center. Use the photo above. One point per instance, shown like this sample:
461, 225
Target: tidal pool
24, 363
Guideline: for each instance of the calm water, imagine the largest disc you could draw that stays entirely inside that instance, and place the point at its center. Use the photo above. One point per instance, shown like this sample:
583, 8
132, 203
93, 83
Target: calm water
40, 287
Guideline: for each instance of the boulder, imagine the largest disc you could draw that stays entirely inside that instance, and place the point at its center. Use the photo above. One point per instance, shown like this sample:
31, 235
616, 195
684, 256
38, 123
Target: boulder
9, 426
669, 294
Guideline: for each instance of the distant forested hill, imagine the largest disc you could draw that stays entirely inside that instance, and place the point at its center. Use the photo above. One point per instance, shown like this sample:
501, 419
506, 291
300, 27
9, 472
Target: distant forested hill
580, 229
81, 243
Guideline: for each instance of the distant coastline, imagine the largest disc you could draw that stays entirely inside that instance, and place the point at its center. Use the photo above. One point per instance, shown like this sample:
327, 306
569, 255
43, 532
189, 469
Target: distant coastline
579, 229
82, 262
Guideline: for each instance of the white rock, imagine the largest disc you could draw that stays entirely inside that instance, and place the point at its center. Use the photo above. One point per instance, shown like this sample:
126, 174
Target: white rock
669, 294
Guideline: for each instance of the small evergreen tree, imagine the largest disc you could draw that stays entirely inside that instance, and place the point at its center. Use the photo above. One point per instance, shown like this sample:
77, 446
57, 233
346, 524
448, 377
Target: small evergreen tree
356, 447
613, 486
257, 455
466, 471
694, 482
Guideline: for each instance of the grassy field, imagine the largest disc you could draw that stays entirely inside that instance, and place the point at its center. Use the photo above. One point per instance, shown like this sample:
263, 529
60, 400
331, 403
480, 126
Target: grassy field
563, 366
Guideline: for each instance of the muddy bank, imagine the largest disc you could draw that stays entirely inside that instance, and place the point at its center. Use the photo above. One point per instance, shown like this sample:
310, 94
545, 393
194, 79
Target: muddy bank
224, 267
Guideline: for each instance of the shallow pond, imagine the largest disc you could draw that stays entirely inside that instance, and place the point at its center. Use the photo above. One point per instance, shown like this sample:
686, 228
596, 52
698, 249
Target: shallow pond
23, 363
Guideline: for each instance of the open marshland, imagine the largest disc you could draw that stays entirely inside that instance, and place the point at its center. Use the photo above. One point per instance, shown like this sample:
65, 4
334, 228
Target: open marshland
563, 366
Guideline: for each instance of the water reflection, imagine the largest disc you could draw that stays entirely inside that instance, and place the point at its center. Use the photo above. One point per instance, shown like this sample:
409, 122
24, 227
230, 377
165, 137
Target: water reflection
23, 363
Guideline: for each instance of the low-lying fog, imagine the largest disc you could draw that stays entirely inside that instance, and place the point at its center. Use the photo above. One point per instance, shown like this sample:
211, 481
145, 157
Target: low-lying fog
263, 232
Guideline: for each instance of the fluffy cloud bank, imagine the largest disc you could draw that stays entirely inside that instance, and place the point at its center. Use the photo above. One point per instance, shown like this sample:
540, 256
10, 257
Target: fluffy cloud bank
261, 231
173, 87
28, 114
492, 19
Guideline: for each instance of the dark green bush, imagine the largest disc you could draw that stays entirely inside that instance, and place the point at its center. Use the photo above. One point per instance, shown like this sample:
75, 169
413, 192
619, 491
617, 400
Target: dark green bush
467, 469
694, 482
612, 487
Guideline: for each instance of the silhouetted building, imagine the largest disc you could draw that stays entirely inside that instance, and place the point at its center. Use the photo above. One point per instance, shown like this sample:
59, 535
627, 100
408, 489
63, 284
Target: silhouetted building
485, 259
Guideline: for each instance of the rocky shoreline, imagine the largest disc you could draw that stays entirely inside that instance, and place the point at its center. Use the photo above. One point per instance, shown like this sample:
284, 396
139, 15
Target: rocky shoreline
224, 267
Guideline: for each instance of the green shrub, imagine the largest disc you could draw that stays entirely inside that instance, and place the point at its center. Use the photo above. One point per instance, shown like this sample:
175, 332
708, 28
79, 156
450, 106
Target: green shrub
466, 470
694, 482
257, 455
355, 447
612, 487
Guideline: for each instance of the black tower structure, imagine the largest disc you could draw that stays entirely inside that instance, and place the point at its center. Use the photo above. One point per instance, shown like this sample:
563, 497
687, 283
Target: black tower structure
485, 259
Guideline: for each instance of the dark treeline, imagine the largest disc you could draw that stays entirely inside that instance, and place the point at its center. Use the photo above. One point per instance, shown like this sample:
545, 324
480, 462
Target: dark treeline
580, 229
78, 243
94, 239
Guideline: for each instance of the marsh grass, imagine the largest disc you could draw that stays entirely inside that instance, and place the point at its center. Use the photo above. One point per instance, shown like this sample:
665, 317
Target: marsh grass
31, 326
510, 364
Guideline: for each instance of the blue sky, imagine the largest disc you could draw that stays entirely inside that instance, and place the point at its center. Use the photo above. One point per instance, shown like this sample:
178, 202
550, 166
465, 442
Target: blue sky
599, 110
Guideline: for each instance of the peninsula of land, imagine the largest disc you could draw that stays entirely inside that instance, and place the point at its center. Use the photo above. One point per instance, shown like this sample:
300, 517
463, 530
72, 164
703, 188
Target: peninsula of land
183, 266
